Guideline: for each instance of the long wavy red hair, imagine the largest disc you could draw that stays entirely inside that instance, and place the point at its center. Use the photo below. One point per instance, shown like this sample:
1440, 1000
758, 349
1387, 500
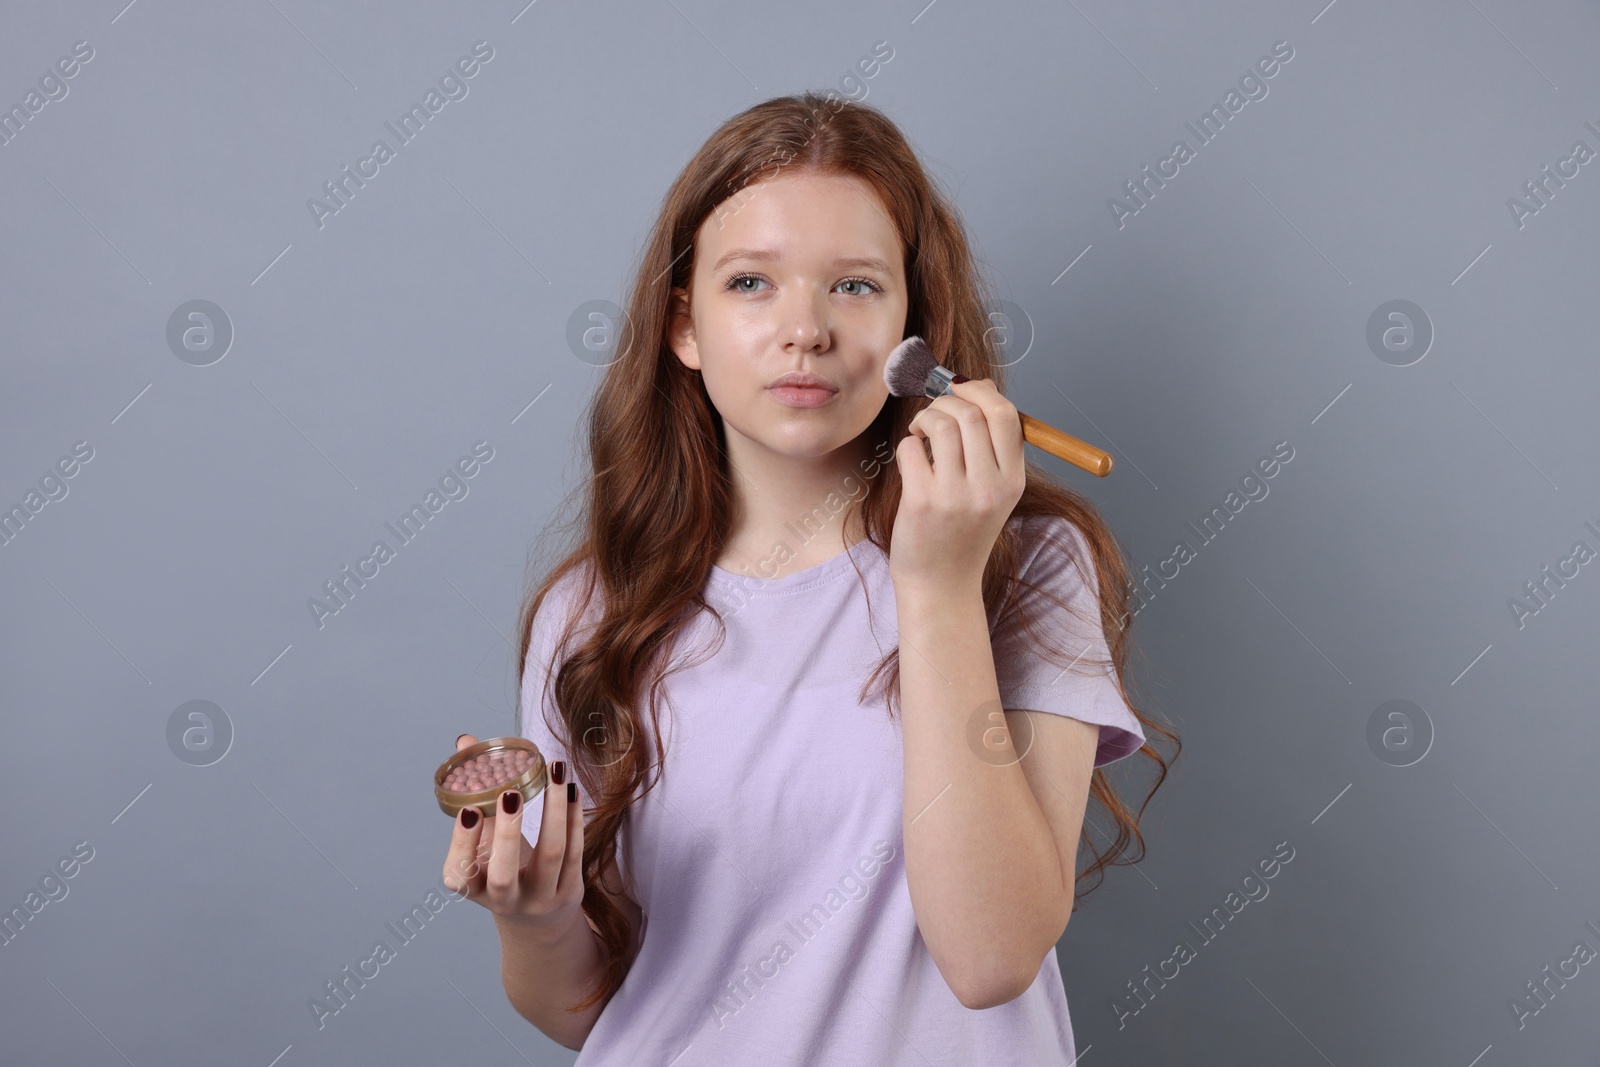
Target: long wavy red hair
656, 510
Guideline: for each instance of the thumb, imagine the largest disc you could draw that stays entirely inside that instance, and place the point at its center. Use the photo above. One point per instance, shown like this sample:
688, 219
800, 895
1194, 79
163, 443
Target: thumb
464, 740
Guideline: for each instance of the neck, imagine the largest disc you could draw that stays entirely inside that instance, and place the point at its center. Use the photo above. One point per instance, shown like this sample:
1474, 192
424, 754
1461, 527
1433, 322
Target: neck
791, 512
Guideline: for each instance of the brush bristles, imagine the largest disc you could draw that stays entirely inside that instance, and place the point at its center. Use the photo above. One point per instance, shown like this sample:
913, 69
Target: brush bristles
907, 369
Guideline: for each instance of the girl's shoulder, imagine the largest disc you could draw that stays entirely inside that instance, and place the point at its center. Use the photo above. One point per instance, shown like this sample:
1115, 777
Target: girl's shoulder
1041, 534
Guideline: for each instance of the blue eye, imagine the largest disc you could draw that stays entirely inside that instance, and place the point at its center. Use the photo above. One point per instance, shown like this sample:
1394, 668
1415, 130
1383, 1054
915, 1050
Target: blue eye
733, 283
863, 281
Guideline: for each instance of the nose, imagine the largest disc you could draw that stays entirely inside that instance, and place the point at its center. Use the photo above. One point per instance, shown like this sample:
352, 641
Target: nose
805, 323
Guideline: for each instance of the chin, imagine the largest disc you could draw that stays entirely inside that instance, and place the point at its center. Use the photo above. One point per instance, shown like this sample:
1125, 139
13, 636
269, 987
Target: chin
805, 445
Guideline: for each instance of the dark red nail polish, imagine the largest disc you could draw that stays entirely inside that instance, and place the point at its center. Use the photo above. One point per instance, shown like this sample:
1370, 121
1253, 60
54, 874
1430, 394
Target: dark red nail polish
469, 818
558, 772
572, 792
510, 801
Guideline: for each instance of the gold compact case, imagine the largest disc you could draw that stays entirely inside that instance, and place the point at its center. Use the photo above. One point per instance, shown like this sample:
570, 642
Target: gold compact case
476, 776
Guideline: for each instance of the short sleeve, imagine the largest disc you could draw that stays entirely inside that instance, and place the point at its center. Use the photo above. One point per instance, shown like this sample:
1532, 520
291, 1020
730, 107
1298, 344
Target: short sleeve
1053, 551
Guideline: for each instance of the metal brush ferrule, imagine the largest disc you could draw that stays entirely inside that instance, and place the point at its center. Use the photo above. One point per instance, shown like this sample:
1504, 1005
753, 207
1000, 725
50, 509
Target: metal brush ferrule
940, 380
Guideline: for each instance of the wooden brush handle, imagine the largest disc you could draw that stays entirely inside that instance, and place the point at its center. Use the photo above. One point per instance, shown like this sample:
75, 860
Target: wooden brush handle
1065, 446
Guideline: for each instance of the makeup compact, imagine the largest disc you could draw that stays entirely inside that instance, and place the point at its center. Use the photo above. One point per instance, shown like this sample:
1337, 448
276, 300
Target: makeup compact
476, 776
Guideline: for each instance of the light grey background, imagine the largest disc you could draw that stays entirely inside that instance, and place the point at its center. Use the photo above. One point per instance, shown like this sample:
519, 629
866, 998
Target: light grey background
1228, 315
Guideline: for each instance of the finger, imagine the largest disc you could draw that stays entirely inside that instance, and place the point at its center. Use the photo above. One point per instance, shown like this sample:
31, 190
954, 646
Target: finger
916, 476
977, 440
485, 828
1005, 424
549, 855
463, 874
505, 857
570, 885
945, 436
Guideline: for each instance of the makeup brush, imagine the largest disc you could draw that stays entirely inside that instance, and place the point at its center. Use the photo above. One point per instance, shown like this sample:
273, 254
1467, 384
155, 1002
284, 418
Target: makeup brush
911, 370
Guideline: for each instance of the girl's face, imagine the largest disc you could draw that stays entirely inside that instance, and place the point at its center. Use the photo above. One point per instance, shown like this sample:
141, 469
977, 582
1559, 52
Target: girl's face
799, 274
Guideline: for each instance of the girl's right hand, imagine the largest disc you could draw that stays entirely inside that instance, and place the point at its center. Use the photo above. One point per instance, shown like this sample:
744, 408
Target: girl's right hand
491, 863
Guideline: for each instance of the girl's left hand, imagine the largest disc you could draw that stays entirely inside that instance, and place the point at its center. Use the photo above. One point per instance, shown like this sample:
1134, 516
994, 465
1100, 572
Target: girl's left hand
952, 510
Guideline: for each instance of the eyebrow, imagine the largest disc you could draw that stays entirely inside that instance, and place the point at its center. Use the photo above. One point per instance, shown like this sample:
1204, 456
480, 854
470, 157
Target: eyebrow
865, 262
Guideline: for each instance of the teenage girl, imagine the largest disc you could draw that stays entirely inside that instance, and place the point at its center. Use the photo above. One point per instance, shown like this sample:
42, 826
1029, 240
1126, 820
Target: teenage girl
827, 682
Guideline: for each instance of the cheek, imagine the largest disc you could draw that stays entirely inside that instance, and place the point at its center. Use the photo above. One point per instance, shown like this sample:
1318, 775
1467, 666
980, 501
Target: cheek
729, 378
735, 330
716, 388
867, 385
872, 396
734, 392
866, 404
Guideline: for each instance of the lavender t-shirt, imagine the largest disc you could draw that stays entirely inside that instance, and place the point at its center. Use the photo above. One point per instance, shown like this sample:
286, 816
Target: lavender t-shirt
768, 861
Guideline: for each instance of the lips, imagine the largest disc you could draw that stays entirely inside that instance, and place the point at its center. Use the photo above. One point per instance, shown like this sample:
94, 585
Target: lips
795, 380
797, 396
